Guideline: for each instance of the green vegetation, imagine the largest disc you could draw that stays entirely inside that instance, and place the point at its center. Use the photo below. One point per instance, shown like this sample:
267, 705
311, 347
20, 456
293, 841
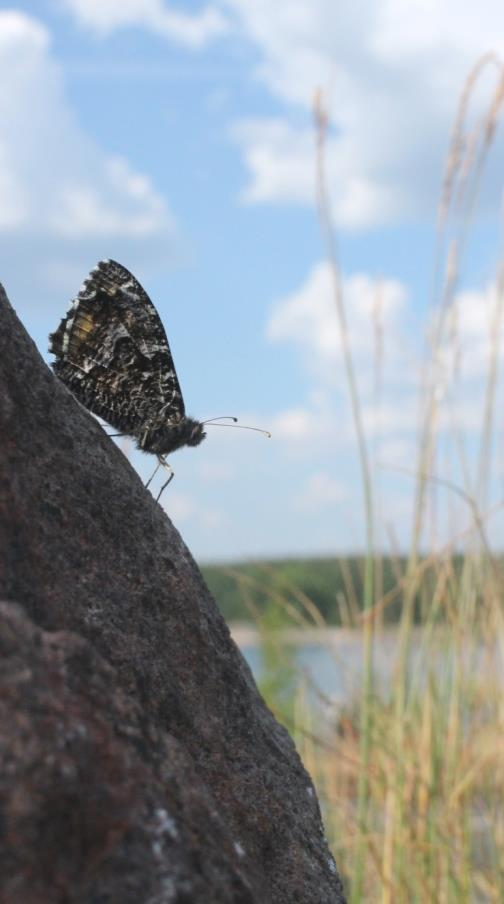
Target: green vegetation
434, 826
279, 682
332, 587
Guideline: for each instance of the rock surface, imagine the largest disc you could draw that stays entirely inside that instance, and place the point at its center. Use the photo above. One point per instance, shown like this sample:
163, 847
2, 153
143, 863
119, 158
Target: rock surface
138, 762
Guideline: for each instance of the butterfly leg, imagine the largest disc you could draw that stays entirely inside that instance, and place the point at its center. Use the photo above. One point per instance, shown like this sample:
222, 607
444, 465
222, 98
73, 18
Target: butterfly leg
151, 478
169, 470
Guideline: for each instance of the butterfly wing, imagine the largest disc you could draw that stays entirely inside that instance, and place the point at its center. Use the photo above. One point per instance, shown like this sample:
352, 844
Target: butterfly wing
112, 352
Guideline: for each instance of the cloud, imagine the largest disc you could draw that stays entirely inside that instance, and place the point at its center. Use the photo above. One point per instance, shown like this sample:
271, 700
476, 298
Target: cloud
376, 311
276, 155
280, 158
295, 424
386, 361
475, 334
194, 30
309, 427
82, 211
320, 490
397, 452
54, 180
387, 348
391, 75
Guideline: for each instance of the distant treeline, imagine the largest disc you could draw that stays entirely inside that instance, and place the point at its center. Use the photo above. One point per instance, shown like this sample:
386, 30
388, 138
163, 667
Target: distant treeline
330, 588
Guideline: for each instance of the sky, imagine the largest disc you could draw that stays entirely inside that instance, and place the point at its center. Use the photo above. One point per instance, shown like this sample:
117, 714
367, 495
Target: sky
179, 140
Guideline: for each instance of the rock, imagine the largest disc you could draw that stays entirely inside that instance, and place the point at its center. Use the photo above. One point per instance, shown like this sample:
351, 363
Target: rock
139, 763
97, 803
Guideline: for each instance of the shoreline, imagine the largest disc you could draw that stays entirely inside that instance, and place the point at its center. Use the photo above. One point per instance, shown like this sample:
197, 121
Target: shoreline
246, 634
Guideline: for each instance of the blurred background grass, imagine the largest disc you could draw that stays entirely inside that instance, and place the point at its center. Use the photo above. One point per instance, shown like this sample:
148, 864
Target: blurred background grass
410, 775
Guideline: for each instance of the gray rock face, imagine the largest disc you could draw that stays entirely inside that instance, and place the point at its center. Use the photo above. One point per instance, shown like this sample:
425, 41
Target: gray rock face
138, 762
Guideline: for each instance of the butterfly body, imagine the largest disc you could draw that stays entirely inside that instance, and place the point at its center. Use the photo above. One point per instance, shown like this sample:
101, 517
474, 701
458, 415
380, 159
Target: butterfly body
111, 351
162, 438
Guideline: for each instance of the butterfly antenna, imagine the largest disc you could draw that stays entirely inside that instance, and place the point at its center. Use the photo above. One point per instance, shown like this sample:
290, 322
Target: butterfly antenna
242, 427
225, 417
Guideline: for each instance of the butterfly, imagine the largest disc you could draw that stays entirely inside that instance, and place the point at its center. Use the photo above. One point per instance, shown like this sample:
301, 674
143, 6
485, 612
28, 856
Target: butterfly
111, 351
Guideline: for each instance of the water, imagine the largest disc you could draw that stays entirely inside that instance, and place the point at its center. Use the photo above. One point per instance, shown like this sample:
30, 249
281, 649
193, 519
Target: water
337, 672
334, 662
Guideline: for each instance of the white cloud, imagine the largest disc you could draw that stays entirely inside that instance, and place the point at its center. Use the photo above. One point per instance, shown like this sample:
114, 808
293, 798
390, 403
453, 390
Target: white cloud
281, 161
397, 452
380, 329
276, 154
82, 211
320, 490
391, 73
375, 312
304, 428
475, 333
391, 418
294, 424
53, 178
386, 361
190, 29
430, 26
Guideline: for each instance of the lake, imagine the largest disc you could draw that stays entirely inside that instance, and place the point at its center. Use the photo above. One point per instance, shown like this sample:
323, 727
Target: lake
331, 659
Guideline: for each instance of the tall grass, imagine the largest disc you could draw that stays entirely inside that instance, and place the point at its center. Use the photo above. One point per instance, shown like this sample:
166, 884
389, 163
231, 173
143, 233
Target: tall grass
325, 214
412, 780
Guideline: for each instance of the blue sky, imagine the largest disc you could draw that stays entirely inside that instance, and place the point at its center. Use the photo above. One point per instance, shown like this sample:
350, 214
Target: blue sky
178, 139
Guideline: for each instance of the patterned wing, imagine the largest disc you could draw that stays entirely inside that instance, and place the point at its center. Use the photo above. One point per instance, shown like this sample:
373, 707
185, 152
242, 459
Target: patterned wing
112, 352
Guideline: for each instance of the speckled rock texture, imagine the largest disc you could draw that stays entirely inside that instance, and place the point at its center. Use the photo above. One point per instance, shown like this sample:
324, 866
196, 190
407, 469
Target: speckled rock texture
138, 763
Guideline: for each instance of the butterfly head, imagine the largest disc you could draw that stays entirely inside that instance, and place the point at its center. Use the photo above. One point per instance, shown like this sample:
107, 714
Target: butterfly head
194, 430
162, 437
